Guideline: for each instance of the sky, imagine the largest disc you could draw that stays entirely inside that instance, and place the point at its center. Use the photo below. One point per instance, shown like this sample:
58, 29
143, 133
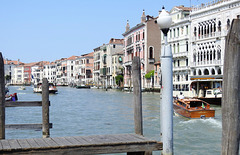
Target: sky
47, 30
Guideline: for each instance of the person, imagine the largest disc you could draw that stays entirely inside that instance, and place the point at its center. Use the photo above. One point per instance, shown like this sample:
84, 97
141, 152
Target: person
181, 96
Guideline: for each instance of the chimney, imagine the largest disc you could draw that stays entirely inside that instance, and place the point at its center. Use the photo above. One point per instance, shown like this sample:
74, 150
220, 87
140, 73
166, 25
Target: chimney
18, 61
143, 18
127, 26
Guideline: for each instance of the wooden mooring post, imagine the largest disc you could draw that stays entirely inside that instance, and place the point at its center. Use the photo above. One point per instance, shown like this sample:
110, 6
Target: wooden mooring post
2, 98
45, 108
231, 89
137, 99
137, 95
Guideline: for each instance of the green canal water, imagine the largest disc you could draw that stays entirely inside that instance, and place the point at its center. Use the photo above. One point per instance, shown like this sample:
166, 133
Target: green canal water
80, 112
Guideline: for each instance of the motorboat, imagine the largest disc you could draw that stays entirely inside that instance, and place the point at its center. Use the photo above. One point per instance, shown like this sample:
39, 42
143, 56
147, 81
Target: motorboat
193, 108
38, 88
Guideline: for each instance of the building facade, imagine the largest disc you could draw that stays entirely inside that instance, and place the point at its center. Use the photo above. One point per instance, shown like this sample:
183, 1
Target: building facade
144, 41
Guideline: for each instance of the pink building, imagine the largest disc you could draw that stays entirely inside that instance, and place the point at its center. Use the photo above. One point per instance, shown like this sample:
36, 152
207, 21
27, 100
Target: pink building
144, 41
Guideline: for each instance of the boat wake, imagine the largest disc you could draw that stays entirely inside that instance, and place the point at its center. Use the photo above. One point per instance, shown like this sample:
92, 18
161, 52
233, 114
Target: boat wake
209, 121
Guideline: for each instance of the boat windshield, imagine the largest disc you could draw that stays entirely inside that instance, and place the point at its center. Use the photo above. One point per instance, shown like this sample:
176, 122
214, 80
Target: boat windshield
197, 104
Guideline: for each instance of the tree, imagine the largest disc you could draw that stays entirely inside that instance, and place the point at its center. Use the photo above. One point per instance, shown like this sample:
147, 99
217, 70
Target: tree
119, 79
8, 77
149, 76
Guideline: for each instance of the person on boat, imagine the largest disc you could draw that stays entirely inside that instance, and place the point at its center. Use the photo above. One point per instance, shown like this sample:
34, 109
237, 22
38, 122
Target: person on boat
181, 96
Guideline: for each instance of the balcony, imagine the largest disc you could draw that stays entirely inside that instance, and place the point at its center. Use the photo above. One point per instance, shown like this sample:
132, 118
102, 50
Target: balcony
204, 63
181, 54
182, 68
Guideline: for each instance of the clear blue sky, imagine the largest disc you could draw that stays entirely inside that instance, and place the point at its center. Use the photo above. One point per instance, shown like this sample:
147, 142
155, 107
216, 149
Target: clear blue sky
36, 30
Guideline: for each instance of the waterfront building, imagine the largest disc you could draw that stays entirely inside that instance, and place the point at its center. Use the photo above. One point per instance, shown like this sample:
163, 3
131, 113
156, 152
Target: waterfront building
18, 77
103, 62
68, 68
49, 72
209, 27
9, 67
144, 41
179, 41
84, 69
117, 68
37, 71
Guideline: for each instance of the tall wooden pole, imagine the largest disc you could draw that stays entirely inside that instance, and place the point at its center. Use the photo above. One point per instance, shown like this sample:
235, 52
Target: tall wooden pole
45, 108
137, 93
2, 99
231, 89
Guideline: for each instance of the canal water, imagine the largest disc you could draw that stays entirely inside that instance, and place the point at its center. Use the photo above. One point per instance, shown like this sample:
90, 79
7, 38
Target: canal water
80, 112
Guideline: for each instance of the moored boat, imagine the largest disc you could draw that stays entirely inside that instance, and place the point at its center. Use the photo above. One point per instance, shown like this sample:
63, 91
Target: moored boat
82, 87
193, 108
11, 97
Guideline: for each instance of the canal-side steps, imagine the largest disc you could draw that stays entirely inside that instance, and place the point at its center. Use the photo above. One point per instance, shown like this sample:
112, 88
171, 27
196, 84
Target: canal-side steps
83, 145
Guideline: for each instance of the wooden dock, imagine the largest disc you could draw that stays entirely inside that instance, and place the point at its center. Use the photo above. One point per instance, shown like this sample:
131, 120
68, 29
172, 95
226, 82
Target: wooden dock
80, 145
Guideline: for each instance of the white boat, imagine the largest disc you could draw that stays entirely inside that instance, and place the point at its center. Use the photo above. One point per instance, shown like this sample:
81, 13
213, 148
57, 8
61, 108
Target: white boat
22, 88
38, 88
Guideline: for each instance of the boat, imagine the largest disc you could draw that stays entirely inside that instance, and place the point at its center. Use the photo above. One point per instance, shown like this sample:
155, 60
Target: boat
83, 87
209, 90
38, 88
213, 96
193, 108
11, 97
22, 88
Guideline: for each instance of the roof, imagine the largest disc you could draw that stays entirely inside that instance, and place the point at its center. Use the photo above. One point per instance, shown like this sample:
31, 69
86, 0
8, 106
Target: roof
14, 62
116, 41
182, 7
73, 57
88, 55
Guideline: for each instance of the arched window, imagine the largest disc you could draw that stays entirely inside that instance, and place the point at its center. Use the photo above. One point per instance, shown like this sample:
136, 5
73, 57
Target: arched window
178, 48
211, 55
199, 72
206, 72
194, 57
219, 26
150, 52
219, 71
178, 78
194, 72
219, 53
228, 23
213, 71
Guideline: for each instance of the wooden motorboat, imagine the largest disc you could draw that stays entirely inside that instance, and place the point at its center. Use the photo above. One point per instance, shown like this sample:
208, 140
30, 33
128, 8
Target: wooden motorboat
193, 108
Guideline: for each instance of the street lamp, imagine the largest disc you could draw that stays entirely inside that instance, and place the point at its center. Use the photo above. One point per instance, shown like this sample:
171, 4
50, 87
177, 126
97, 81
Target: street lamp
164, 21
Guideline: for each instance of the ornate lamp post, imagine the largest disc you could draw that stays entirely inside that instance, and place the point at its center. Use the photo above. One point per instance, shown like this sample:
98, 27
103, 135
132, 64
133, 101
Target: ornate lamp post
164, 21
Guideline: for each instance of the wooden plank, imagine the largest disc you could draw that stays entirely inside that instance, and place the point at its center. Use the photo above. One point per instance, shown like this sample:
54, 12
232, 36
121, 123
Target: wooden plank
41, 142
14, 144
25, 126
2, 98
23, 143
61, 141
231, 88
23, 103
51, 142
73, 140
5, 144
32, 143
